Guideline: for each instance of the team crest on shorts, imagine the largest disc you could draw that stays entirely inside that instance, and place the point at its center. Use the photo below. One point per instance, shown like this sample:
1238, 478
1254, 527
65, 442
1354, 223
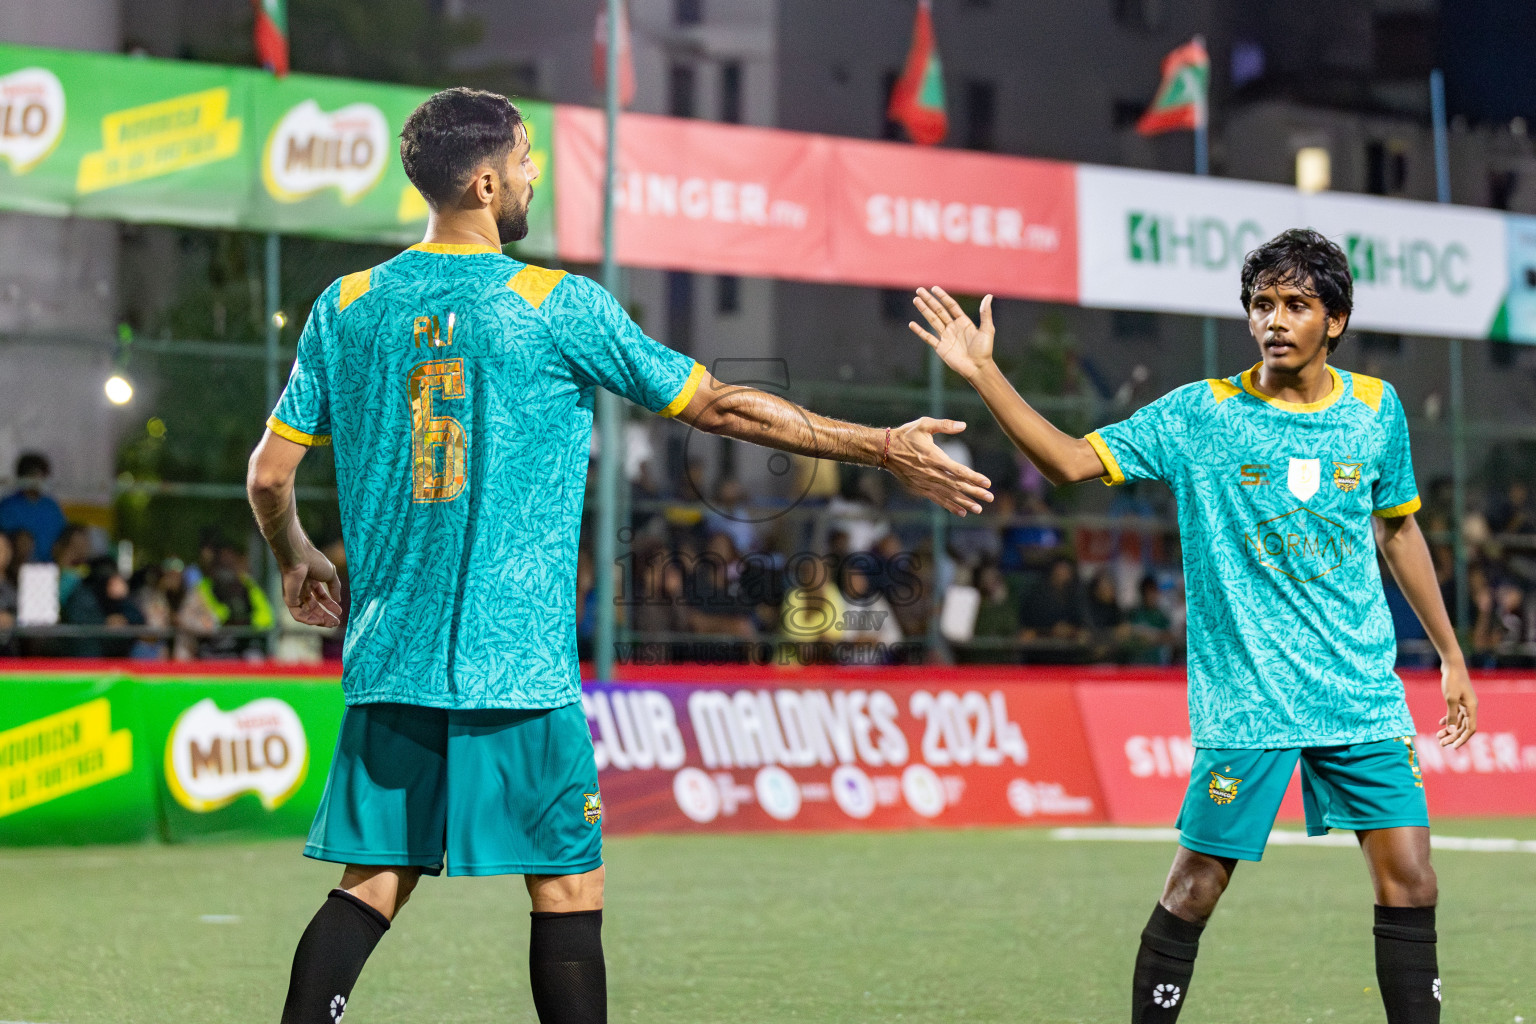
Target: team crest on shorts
1346, 475
1223, 790
592, 807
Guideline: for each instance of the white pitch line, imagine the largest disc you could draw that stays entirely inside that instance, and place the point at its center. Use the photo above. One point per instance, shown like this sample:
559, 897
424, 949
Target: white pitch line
1287, 837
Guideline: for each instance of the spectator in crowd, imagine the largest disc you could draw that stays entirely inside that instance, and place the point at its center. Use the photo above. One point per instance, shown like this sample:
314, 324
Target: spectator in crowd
1501, 621
7, 595
226, 596
1151, 638
586, 605
997, 618
729, 514
71, 552
659, 593
1054, 612
866, 617
813, 606
22, 548
156, 591
1105, 619
1511, 512
715, 598
101, 599
31, 508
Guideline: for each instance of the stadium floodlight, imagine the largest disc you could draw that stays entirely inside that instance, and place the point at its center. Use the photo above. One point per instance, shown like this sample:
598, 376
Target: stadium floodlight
119, 390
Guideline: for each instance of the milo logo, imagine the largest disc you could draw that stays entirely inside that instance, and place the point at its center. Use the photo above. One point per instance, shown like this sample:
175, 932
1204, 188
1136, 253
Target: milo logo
31, 116
214, 756
311, 150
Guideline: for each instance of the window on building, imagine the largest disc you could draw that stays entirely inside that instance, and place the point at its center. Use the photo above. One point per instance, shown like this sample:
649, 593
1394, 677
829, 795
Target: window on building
1386, 167
1379, 343
727, 294
980, 115
889, 129
1133, 325
1141, 15
730, 92
896, 304
688, 12
680, 310
680, 90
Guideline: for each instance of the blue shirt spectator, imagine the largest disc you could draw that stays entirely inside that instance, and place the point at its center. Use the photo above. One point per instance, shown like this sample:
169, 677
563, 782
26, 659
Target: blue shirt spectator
30, 509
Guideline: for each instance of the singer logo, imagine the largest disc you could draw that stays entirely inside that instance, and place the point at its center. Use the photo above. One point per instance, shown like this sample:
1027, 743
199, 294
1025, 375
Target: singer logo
310, 150
214, 756
31, 116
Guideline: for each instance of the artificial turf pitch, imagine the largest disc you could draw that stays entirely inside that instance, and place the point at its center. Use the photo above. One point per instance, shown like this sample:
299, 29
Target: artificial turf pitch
967, 926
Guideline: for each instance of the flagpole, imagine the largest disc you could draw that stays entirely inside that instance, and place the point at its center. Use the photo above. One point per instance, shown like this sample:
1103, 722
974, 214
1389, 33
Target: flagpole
609, 412
1203, 169
1455, 385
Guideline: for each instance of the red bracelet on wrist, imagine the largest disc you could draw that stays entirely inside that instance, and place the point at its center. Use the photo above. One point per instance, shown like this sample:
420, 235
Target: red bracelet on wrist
886, 452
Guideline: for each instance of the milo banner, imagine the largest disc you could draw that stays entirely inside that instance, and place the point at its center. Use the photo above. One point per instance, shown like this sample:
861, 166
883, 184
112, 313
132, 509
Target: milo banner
105, 756
72, 766
141, 139
842, 752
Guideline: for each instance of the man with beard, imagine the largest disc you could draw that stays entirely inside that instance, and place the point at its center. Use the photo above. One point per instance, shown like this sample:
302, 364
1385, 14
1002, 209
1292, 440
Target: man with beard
457, 384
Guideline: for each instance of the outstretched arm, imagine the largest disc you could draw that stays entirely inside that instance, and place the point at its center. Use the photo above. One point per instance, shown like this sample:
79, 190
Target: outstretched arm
1407, 555
907, 451
309, 578
967, 349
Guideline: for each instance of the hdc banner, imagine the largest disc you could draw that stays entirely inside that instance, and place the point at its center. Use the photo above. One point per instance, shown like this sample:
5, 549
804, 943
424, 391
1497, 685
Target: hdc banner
1176, 243
839, 754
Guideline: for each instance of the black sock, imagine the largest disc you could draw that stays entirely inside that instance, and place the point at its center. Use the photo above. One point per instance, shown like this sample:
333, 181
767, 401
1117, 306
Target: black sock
330, 956
1406, 968
565, 967
1164, 965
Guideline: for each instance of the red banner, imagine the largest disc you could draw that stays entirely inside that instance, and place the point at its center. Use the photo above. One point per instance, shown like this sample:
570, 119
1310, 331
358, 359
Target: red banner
851, 754
697, 196
1139, 737
905, 216
725, 199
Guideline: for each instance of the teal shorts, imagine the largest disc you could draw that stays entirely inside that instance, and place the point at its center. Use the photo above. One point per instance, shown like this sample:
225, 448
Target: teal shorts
490, 792
1234, 795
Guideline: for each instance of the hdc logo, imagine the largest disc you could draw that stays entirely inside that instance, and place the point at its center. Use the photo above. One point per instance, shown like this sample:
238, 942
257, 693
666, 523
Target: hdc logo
1415, 263
1208, 243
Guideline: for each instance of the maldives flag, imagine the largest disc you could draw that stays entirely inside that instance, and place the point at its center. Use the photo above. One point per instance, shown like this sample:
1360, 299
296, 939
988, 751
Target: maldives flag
272, 35
626, 57
1180, 101
917, 101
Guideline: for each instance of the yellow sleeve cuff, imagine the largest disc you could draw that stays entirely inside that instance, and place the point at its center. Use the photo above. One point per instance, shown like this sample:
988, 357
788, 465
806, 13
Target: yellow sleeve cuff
1407, 508
288, 433
685, 396
1112, 472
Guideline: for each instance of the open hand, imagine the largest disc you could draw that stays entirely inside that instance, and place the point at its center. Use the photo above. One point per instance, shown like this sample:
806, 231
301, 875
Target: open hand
310, 589
964, 347
1460, 720
922, 467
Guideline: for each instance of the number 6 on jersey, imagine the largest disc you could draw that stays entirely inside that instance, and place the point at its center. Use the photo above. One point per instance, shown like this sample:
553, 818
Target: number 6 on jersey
434, 478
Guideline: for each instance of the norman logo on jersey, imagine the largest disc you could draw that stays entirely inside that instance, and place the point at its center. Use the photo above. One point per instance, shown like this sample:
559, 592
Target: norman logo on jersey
1223, 790
1301, 544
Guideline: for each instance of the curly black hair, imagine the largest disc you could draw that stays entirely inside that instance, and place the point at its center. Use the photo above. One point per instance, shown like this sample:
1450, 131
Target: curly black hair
1309, 261
451, 134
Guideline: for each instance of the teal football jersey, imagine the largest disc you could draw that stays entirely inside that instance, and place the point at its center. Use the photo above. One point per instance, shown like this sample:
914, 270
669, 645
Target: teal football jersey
456, 385
1290, 640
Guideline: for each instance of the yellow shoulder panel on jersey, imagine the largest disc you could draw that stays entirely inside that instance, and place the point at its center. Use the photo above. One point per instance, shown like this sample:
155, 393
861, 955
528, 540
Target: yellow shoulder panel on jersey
535, 283
1368, 390
353, 287
1223, 389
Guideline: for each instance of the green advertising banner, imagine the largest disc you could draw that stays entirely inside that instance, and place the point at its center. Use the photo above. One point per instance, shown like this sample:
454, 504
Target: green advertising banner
72, 766
141, 139
241, 756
